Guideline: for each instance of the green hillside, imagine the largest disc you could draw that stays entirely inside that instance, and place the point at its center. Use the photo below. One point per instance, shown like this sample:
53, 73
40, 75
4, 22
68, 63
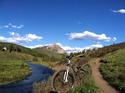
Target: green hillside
99, 52
113, 69
48, 55
44, 54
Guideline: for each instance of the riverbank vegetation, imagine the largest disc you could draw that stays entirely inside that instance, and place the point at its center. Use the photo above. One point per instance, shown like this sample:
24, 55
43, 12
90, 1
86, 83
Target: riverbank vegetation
13, 66
14, 70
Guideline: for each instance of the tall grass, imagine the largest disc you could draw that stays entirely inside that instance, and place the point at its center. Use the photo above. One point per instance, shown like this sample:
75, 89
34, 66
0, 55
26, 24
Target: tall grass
15, 56
42, 87
11, 71
13, 66
89, 86
113, 69
38, 60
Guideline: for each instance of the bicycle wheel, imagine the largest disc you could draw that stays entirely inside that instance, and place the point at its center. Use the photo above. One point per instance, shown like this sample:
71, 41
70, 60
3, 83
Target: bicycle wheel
58, 83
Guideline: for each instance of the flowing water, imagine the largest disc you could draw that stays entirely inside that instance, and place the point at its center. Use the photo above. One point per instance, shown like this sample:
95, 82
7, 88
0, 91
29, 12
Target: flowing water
39, 73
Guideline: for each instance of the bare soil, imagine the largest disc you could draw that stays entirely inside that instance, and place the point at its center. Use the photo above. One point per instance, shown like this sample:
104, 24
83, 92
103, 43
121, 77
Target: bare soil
101, 83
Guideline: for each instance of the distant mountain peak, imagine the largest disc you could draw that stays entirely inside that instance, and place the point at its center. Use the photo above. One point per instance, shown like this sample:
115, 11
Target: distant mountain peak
56, 48
53, 47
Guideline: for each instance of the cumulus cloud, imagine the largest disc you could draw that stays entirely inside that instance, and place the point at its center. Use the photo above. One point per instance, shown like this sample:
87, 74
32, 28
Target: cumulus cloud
17, 38
122, 11
31, 37
11, 26
89, 35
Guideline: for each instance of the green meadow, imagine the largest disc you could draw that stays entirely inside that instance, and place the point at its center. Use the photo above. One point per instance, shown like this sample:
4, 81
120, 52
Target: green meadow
113, 69
13, 67
12, 71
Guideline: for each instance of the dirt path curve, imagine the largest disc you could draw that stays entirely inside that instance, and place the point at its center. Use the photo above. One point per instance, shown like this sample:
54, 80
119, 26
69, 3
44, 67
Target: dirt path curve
101, 83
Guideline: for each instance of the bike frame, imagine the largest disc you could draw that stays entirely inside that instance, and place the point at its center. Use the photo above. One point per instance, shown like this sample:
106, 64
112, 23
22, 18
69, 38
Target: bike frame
67, 72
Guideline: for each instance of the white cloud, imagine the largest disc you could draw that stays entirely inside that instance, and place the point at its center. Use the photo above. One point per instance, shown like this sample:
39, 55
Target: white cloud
31, 37
14, 34
17, 38
122, 11
10, 26
5, 39
20, 26
89, 35
79, 49
114, 39
70, 49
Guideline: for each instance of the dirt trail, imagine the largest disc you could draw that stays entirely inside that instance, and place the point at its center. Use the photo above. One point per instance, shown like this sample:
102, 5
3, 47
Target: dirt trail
101, 83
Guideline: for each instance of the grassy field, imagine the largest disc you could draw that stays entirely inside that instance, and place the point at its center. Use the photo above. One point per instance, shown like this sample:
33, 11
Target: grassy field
38, 60
13, 67
113, 69
11, 71
15, 56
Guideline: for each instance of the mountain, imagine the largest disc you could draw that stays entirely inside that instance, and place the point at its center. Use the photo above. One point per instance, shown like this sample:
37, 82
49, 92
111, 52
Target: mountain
54, 48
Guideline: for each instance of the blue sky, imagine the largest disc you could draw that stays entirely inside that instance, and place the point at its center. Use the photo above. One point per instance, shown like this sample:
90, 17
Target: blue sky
73, 24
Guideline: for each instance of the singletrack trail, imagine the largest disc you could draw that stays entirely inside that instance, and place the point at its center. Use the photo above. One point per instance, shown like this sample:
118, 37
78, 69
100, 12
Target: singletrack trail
101, 83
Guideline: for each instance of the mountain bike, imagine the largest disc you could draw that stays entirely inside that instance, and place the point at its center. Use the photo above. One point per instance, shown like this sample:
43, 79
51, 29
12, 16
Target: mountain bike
65, 79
